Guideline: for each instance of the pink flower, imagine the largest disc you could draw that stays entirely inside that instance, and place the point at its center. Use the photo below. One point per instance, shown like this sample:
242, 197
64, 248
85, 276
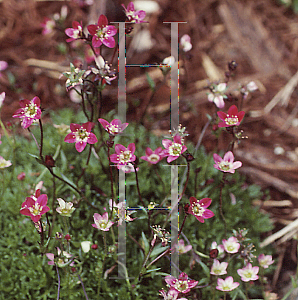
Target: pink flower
185, 42
217, 94
248, 273
227, 163
3, 65
171, 295
62, 259
81, 135
114, 128
173, 149
102, 222
35, 206
153, 157
183, 284
231, 245
123, 155
29, 112
220, 248
265, 260
48, 26
232, 118
199, 208
219, 268
226, 285
134, 16
181, 248
102, 33
74, 33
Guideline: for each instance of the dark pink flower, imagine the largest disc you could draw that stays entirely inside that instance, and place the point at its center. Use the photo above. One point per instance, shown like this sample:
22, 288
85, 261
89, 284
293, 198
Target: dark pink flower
134, 16
29, 112
199, 208
182, 285
35, 206
81, 135
232, 118
227, 163
48, 26
74, 33
153, 157
173, 149
114, 128
123, 155
102, 33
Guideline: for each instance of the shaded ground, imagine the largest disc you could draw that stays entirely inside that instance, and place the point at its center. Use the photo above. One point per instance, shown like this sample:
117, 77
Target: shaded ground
261, 36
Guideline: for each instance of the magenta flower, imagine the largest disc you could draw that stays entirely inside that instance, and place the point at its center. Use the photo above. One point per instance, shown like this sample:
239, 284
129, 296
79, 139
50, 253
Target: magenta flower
231, 245
123, 155
102, 33
153, 157
3, 65
81, 135
35, 206
29, 112
183, 284
265, 260
248, 273
232, 118
173, 149
227, 163
134, 16
102, 222
74, 33
114, 128
226, 285
199, 208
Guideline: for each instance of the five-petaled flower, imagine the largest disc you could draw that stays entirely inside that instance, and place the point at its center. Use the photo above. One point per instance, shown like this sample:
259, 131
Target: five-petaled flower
226, 285
181, 248
114, 128
248, 273
265, 260
153, 157
123, 155
199, 208
232, 118
74, 33
219, 268
81, 135
35, 206
172, 294
231, 245
102, 222
29, 112
65, 209
217, 94
4, 163
227, 163
182, 284
173, 149
134, 16
102, 33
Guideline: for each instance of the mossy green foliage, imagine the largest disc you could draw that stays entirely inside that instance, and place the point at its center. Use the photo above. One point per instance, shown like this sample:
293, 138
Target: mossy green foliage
25, 273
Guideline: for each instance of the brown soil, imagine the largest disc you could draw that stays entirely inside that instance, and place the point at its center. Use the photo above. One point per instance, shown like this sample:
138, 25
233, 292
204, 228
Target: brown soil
261, 36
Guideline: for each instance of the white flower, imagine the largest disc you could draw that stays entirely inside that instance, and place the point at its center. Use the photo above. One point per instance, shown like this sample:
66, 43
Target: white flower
86, 246
65, 208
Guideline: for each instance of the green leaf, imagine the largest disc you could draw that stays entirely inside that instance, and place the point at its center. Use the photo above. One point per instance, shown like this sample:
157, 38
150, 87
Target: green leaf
150, 82
145, 242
